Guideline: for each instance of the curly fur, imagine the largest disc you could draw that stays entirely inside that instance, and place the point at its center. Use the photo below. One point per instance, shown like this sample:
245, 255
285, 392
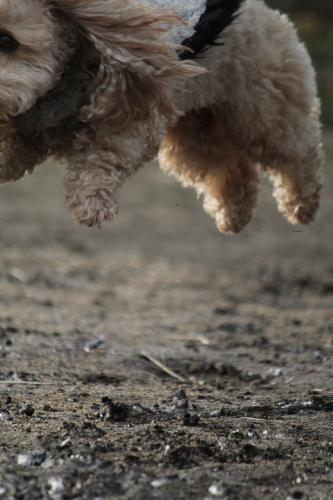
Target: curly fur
100, 83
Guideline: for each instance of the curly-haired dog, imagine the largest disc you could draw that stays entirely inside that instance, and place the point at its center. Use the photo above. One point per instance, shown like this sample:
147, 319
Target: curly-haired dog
218, 88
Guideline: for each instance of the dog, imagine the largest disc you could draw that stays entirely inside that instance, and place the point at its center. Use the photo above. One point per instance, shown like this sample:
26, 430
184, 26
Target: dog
217, 89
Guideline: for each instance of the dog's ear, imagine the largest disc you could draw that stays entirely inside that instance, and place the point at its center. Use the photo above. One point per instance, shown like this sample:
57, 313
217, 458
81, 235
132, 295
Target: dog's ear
138, 63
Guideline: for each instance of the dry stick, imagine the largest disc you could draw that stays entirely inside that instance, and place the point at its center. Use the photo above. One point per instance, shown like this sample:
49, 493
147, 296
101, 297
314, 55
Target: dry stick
197, 338
254, 419
24, 382
162, 367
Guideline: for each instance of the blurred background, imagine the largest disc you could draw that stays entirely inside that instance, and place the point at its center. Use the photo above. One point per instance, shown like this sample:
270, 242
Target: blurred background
314, 19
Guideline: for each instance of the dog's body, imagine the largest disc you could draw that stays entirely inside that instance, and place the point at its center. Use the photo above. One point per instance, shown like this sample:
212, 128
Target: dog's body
239, 93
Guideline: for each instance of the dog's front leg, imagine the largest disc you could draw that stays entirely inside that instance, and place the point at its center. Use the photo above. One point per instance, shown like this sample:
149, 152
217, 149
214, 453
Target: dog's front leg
100, 166
92, 185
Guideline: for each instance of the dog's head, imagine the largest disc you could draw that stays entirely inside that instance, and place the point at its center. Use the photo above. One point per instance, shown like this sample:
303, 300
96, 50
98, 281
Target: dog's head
34, 48
126, 48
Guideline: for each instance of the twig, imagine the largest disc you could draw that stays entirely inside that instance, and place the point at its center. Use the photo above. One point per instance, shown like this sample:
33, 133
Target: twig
255, 419
197, 338
162, 366
24, 382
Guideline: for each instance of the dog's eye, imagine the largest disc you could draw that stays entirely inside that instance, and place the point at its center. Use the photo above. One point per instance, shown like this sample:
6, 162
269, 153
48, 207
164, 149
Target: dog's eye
7, 43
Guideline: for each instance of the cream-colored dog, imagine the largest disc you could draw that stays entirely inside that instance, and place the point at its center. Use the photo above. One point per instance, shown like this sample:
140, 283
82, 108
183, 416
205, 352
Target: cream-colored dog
217, 89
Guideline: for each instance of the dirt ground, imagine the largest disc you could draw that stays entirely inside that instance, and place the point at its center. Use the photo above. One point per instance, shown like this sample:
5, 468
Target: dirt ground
246, 322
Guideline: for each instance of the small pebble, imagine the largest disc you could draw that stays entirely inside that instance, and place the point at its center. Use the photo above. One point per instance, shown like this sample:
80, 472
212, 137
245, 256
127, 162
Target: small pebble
28, 410
56, 486
275, 372
65, 443
157, 483
49, 463
216, 489
191, 419
297, 495
180, 398
93, 345
34, 458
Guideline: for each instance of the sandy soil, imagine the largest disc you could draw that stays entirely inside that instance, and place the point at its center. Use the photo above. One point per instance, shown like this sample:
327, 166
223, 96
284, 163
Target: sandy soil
245, 321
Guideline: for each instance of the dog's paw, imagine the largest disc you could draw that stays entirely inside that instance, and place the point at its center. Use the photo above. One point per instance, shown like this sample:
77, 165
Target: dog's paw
299, 210
228, 224
93, 210
233, 214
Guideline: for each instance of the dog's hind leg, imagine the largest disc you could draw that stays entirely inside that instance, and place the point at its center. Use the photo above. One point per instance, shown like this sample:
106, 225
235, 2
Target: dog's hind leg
270, 87
198, 152
296, 174
287, 145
